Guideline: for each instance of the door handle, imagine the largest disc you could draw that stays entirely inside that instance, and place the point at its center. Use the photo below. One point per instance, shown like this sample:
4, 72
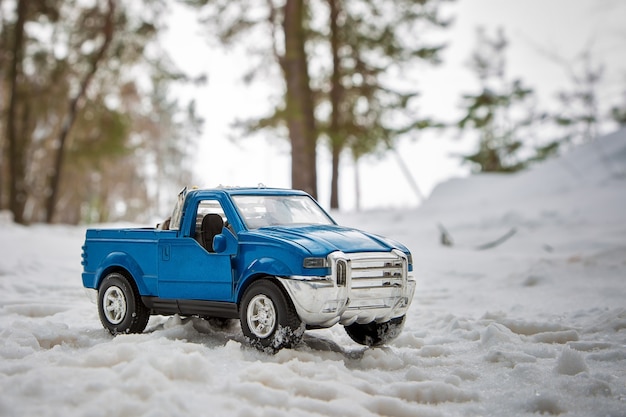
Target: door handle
165, 252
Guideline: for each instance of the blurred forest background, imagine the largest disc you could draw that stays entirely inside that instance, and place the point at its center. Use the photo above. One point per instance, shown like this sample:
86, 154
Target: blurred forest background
92, 130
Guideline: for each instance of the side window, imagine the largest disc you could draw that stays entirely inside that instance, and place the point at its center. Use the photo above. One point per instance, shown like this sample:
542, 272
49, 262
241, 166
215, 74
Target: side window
208, 207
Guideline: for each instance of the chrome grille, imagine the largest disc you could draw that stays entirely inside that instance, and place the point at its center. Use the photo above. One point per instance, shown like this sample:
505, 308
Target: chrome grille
374, 279
376, 272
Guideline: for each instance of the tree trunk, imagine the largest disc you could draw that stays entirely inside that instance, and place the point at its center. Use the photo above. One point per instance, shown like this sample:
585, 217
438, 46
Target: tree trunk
3, 148
357, 185
299, 101
17, 146
334, 180
74, 108
336, 93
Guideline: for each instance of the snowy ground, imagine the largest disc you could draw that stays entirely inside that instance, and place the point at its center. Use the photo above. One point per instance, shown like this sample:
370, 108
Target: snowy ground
536, 325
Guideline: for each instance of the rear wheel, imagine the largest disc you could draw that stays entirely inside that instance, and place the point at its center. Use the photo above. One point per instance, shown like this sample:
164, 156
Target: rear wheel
375, 334
120, 307
268, 318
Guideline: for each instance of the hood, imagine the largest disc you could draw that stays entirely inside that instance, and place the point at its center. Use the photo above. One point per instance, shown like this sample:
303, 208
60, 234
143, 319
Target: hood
320, 240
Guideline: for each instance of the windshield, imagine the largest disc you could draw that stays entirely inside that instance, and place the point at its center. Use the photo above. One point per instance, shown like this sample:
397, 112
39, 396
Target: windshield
270, 210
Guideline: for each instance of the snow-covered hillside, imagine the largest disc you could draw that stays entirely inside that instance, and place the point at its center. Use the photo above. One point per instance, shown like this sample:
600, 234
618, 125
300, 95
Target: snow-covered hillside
535, 325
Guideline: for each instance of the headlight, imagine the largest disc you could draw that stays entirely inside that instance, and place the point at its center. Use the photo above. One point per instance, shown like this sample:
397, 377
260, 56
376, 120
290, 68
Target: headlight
315, 263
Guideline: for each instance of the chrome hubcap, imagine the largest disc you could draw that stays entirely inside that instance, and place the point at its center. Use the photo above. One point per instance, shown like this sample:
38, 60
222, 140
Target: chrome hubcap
114, 305
261, 316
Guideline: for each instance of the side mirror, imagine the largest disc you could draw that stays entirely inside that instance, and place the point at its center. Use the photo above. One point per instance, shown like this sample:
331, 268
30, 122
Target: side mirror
225, 243
219, 243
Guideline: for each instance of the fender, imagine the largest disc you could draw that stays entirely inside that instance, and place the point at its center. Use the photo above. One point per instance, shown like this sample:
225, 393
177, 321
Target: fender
261, 266
126, 262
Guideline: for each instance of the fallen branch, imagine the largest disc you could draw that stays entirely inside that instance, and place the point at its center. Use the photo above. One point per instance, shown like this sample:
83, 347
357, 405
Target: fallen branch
446, 238
498, 241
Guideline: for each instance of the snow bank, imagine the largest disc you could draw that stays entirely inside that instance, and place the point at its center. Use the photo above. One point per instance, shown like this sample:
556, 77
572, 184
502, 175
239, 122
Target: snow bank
533, 326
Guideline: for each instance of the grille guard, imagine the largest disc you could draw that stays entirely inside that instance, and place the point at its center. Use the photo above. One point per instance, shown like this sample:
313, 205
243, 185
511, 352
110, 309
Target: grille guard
363, 287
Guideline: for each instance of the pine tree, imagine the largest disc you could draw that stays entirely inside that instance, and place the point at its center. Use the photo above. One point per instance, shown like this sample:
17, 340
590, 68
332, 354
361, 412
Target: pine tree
580, 115
342, 63
501, 113
373, 46
277, 34
618, 112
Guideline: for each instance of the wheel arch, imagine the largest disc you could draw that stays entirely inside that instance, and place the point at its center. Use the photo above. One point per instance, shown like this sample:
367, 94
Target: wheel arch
262, 268
123, 264
255, 278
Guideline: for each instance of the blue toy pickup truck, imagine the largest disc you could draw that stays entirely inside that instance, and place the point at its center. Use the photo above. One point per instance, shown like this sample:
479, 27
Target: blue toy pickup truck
272, 258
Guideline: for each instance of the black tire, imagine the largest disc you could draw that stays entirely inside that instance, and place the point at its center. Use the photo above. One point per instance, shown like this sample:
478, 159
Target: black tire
268, 318
375, 334
120, 307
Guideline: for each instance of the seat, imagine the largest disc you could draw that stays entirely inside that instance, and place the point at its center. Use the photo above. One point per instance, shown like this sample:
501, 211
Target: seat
212, 225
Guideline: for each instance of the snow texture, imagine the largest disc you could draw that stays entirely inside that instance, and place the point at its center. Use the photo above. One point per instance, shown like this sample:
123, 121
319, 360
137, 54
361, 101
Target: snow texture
533, 326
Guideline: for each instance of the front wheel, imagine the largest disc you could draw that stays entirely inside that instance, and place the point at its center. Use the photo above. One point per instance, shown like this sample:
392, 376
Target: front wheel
375, 334
120, 307
268, 318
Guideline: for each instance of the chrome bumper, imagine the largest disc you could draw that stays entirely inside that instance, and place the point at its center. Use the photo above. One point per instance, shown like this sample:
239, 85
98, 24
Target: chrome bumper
362, 287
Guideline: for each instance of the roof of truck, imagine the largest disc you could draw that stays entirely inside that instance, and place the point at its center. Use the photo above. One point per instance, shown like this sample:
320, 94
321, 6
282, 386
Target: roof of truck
250, 191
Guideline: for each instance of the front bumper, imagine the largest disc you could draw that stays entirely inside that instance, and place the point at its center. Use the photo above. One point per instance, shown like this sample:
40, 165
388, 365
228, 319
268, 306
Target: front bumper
362, 288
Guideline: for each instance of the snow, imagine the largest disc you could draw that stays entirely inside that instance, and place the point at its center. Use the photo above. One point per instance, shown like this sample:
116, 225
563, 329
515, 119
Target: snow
533, 326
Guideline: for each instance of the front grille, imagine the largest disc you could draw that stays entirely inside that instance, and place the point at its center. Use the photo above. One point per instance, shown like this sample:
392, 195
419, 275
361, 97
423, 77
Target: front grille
375, 272
374, 279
